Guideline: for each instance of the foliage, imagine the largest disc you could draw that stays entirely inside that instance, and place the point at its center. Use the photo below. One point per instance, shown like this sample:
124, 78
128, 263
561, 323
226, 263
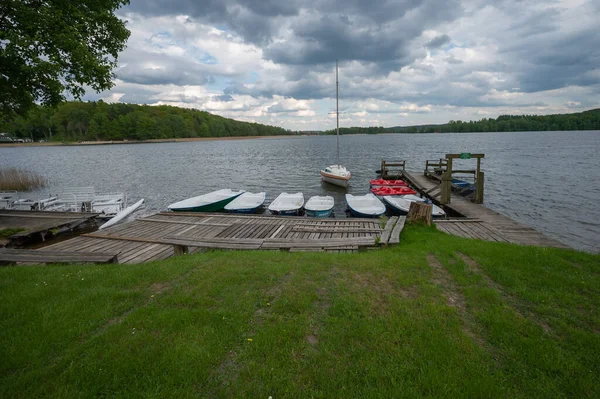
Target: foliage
48, 48
587, 120
10, 231
13, 179
523, 322
81, 121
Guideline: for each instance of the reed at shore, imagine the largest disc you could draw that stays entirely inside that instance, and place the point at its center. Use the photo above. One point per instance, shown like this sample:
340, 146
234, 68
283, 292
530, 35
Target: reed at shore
13, 179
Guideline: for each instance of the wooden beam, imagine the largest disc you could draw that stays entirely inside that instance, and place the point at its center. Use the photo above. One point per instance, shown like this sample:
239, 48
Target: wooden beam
479, 188
395, 237
387, 231
11, 255
150, 219
451, 156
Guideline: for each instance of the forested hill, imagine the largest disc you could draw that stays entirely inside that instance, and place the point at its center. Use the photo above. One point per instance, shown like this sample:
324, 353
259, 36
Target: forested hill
588, 120
80, 121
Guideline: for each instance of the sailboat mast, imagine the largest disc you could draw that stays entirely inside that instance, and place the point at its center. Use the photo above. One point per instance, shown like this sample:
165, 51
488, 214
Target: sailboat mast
337, 111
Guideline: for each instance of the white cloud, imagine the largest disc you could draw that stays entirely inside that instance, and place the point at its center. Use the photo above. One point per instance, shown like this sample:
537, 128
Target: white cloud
262, 61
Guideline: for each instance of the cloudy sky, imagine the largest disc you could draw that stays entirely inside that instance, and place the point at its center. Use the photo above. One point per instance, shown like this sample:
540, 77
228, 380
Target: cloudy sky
402, 62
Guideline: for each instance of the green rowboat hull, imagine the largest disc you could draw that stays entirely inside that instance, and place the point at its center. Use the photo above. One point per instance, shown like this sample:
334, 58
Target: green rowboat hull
214, 207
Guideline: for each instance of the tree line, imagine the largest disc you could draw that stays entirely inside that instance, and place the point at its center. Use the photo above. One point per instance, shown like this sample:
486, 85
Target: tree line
587, 120
91, 121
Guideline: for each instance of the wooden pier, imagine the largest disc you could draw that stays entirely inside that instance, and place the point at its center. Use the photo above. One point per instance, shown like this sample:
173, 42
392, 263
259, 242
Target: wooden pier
475, 220
163, 235
39, 225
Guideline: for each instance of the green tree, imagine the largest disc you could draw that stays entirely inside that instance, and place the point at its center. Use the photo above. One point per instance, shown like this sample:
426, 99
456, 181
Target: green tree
52, 47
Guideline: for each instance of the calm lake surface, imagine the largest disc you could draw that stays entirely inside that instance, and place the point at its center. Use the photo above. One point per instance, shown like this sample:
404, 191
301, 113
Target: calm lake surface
548, 180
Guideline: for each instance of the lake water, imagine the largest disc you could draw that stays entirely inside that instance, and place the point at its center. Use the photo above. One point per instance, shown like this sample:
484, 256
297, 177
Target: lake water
548, 180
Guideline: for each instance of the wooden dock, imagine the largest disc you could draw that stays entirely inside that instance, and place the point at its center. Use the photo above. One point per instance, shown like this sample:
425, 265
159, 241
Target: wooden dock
477, 221
163, 235
40, 224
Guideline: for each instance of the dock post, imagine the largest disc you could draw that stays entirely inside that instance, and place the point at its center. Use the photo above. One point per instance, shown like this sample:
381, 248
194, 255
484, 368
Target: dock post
479, 188
446, 183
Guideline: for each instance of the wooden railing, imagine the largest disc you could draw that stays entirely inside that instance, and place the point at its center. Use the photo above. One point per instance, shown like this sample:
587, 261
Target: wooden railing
437, 166
392, 169
441, 170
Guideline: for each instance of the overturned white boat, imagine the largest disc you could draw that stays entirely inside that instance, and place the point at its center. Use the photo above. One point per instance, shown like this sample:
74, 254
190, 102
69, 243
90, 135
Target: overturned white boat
210, 202
366, 206
287, 204
122, 214
246, 203
319, 206
401, 204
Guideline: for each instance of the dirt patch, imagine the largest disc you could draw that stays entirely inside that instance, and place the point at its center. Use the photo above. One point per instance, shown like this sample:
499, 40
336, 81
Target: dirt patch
509, 299
455, 299
379, 290
312, 339
382, 286
409, 292
159, 288
443, 279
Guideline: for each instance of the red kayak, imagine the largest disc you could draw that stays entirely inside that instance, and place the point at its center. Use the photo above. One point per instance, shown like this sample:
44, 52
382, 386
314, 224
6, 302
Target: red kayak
393, 191
381, 182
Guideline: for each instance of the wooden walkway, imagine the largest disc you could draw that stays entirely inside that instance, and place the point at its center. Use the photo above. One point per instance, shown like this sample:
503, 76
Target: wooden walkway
40, 223
166, 234
477, 221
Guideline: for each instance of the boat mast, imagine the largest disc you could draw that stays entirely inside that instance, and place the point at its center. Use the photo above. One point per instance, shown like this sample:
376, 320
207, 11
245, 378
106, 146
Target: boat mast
337, 112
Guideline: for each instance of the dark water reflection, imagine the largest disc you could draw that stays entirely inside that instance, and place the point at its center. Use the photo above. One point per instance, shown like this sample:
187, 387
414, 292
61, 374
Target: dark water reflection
549, 180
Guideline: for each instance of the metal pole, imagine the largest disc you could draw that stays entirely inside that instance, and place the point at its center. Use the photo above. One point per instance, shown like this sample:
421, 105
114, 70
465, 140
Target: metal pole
337, 111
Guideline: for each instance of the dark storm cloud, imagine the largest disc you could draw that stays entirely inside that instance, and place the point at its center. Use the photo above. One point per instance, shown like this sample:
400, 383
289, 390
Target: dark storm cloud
252, 19
161, 76
321, 31
438, 42
529, 46
567, 60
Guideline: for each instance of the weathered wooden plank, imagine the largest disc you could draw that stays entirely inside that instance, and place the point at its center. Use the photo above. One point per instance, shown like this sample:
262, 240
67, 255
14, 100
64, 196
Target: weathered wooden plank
268, 244
260, 217
395, 236
281, 227
131, 251
11, 255
335, 229
387, 231
155, 220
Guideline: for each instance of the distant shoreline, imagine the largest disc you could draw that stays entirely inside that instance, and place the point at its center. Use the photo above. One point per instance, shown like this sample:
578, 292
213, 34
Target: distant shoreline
110, 142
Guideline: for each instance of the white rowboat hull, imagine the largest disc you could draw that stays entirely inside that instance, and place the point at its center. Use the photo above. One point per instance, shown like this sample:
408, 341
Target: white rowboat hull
122, 215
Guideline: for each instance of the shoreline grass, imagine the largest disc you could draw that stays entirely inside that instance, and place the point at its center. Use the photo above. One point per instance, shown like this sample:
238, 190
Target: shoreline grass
435, 316
4, 233
13, 179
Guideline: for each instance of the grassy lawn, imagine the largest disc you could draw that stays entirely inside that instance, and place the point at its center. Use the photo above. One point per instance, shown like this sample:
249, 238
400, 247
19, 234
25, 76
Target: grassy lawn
436, 316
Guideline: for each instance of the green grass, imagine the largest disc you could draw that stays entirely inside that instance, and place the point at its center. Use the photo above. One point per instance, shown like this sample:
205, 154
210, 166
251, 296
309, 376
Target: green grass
9, 232
437, 316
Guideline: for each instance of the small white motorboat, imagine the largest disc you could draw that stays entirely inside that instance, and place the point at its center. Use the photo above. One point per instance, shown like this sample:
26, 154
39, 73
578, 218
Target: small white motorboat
73, 199
337, 175
246, 203
122, 215
7, 199
211, 202
319, 206
109, 205
26, 204
401, 204
287, 204
367, 206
